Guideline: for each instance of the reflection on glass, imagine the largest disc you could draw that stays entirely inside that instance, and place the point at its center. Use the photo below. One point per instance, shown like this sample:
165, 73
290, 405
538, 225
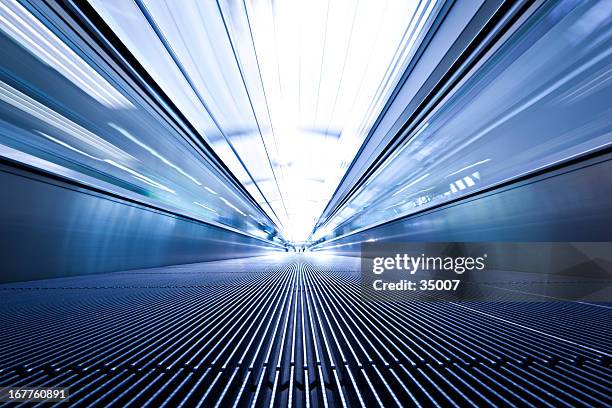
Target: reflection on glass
55, 107
542, 98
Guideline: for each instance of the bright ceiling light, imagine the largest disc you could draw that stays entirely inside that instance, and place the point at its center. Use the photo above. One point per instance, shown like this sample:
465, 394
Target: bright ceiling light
284, 92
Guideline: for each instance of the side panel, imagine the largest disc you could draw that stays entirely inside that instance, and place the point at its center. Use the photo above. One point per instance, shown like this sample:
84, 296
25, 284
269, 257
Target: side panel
573, 204
50, 229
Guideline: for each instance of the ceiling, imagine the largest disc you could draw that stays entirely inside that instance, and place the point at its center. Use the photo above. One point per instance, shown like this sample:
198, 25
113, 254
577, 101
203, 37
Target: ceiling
284, 92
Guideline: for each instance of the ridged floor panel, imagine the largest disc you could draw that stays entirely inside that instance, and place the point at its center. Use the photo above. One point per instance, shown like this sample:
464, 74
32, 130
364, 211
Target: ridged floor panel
295, 331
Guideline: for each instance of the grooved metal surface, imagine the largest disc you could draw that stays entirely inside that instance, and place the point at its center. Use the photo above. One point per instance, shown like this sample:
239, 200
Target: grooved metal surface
294, 331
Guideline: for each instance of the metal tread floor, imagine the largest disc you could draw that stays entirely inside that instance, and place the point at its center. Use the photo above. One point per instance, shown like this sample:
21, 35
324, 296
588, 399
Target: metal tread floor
295, 331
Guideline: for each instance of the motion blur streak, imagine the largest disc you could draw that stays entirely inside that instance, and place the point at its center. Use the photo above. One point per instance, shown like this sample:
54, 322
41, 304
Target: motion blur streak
520, 111
33, 35
72, 122
188, 188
